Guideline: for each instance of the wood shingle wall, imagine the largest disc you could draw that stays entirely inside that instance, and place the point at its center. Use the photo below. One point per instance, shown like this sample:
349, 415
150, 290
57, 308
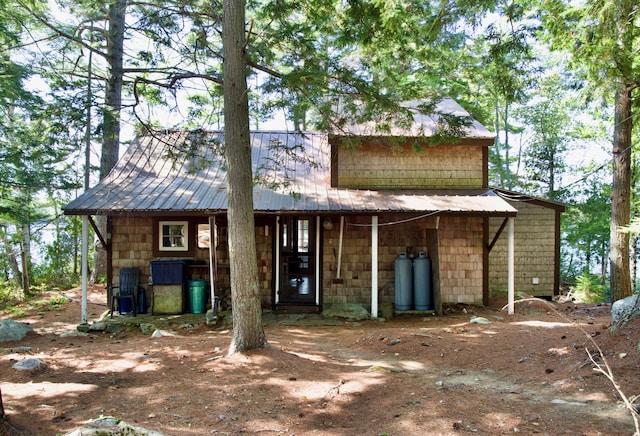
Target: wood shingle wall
461, 254
535, 241
460, 258
132, 247
401, 166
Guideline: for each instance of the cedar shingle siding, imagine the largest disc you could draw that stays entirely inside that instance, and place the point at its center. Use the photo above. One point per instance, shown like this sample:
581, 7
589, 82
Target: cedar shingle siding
390, 166
536, 239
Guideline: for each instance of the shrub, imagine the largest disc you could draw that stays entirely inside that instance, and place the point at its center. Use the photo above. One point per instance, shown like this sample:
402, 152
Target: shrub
588, 289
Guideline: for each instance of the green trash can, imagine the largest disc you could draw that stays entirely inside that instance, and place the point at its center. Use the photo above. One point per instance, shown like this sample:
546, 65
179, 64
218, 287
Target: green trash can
197, 296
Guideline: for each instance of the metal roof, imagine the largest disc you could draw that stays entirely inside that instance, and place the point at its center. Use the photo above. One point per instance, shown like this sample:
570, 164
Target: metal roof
156, 176
420, 124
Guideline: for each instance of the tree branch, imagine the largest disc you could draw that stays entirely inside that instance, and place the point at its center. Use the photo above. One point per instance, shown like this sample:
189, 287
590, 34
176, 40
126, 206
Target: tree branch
60, 32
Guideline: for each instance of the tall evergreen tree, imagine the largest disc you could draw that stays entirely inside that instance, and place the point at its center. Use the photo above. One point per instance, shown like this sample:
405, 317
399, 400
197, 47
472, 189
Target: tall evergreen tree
602, 38
247, 320
551, 127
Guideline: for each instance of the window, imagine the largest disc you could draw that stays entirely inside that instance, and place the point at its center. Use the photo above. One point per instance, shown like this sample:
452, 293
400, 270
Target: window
173, 235
203, 235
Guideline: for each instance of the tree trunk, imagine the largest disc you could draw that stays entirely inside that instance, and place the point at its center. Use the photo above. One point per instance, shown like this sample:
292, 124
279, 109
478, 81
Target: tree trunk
496, 143
12, 261
621, 194
2, 414
603, 263
111, 113
245, 291
634, 262
507, 157
25, 257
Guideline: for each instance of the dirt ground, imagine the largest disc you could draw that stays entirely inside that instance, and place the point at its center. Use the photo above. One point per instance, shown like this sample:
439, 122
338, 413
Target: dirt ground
527, 373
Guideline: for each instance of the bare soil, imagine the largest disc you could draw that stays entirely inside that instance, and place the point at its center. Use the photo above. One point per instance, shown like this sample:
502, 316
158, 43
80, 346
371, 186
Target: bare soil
527, 373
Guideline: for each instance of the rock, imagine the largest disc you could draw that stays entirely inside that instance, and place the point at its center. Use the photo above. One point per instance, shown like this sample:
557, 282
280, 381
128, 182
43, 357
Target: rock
479, 320
74, 333
570, 403
394, 342
30, 364
13, 331
110, 426
114, 328
353, 312
161, 333
147, 328
84, 328
625, 309
98, 326
210, 317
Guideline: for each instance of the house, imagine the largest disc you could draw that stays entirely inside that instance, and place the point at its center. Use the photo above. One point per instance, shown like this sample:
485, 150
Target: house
335, 216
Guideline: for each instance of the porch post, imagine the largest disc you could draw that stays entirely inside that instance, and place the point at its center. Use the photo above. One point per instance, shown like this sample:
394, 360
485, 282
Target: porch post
213, 264
317, 257
374, 266
277, 262
84, 268
510, 268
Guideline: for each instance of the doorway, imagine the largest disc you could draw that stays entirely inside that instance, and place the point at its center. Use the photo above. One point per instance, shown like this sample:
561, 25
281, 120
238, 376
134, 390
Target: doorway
297, 261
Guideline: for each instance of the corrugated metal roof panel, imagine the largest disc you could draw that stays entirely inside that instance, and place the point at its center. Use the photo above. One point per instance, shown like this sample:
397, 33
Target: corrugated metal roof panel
422, 125
293, 171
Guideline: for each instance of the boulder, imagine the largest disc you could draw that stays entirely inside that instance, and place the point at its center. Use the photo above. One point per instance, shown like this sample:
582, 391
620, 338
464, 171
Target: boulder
350, 311
30, 364
13, 331
625, 309
110, 426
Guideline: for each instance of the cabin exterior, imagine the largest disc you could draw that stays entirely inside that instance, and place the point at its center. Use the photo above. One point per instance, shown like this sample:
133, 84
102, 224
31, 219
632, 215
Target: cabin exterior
536, 247
333, 216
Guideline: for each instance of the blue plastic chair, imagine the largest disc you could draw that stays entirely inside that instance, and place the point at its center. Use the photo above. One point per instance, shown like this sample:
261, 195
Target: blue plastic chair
128, 289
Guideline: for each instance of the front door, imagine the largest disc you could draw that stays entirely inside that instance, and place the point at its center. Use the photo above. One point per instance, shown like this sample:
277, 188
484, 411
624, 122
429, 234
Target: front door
297, 278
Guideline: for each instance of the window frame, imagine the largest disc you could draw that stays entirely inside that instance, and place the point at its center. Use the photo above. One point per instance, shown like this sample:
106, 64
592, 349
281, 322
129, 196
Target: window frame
185, 236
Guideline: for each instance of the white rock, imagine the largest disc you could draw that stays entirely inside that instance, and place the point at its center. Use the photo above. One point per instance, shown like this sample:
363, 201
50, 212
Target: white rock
161, 333
479, 320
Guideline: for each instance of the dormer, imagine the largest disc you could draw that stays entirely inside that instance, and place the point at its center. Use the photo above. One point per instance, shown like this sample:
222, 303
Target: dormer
418, 156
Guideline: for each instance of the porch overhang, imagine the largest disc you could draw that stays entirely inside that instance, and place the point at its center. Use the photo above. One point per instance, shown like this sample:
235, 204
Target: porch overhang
332, 201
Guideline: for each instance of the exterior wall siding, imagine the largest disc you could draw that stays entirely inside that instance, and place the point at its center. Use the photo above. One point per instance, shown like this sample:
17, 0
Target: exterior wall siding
460, 258
132, 247
394, 166
534, 241
461, 254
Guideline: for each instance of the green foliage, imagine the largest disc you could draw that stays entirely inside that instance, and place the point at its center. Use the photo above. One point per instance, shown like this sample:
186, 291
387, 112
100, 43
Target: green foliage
7, 293
588, 289
57, 270
41, 299
585, 228
361, 58
551, 124
57, 302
